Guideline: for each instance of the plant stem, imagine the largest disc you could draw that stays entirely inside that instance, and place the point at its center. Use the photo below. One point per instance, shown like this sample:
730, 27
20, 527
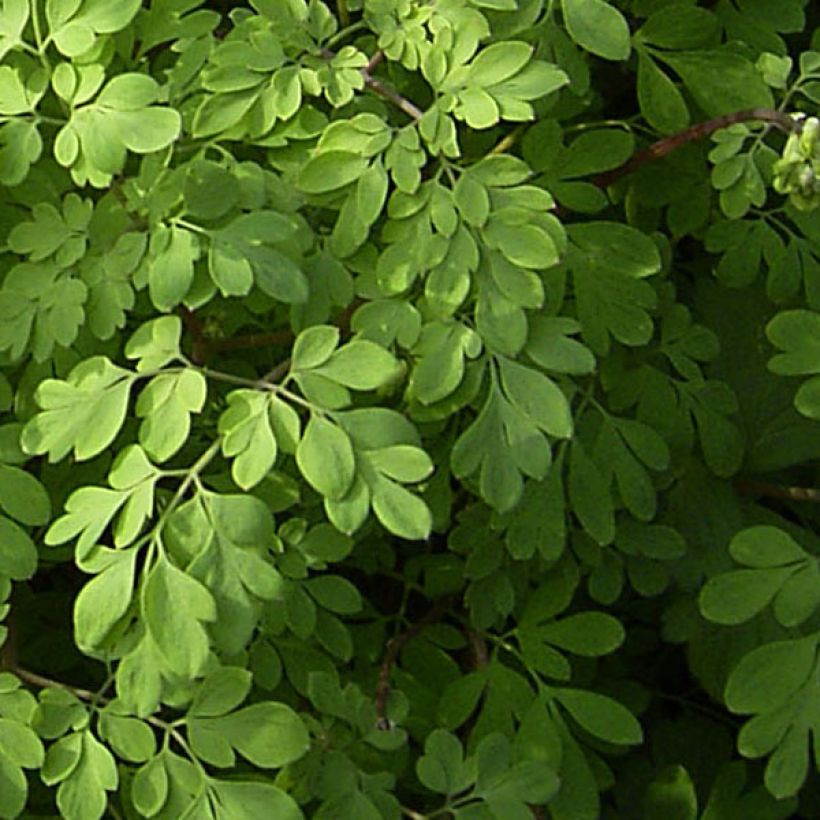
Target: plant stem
509, 140
409, 108
394, 646
94, 698
749, 487
344, 14
665, 146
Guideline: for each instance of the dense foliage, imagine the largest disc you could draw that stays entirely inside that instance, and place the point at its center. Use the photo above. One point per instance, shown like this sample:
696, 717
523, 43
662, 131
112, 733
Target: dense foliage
409, 409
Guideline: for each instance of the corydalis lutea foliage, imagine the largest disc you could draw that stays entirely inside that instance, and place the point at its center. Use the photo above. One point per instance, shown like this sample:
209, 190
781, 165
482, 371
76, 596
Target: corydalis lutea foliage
372, 425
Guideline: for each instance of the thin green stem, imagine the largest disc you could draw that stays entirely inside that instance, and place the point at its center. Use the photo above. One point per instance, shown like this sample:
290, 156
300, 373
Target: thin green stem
94, 699
413, 815
191, 226
113, 810
191, 478
344, 33
50, 120
258, 384
509, 140
344, 13
29, 49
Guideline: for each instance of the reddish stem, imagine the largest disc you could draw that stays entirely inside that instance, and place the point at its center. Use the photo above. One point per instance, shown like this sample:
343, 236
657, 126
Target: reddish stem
394, 647
698, 131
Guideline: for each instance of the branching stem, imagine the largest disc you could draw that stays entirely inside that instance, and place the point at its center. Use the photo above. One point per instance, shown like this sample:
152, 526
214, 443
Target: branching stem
376, 85
667, 145
394, 647
95, 699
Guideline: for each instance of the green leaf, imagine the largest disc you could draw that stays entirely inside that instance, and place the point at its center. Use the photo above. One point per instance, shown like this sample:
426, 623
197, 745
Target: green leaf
720, 81
18, 554
248, 437
598, 27
155, 343
679, 26
537, 397
269, 735
459, 699
83, 413
82, 794
104, 600
131, 739
735, 597
588, 634
210, 190
616, 247
768, 675
601, 716
589, 495
165, 405
765, 546
20, 745
314, 346
400, 511
12, 23
661, 102
797, 332
335, 594
174, 606
223, 690
171, 271
149, 789
549, 345
442, 768
360, 365
325, 458
330, 170
672, 795
248, 800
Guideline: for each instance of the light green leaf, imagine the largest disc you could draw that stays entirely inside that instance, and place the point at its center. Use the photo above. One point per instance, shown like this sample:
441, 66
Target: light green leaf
104, 600
314, 346
155, 343
174, 606
221, 691
171, 270
360, 365
597, 26
132, 739
325, 458
330, 170
249, 800
269, 734
149, 789
247, 437
82, 795
401, 512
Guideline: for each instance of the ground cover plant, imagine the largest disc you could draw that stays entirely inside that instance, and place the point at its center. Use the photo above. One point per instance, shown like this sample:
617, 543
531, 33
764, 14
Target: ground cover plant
409, 409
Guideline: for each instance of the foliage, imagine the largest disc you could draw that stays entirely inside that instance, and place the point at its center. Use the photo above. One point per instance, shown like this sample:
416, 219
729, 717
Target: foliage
410, 409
